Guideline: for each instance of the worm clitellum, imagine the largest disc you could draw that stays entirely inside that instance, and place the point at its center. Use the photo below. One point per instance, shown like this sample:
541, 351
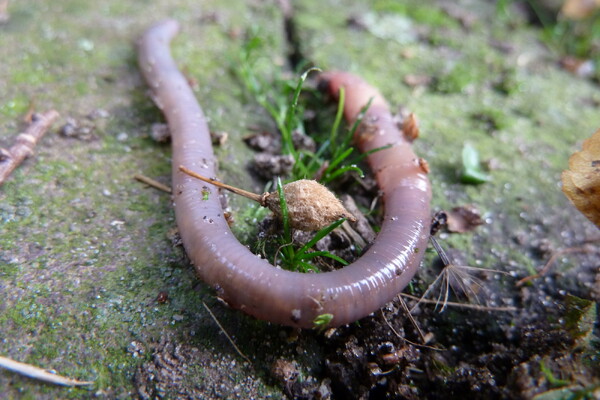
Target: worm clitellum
250, 283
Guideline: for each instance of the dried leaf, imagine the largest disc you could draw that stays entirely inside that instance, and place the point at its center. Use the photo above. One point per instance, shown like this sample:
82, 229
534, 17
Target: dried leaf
579, 319
581, 183
579, 67
579, 9
463, 219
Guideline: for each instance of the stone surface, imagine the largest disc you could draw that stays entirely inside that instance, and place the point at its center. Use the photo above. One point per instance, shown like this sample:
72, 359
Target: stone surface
85, 251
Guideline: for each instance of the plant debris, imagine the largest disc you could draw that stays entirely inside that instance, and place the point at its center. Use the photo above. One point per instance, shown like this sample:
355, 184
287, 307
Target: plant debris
263, 141
463, 219
152, 183
269, 165
219, 138
24, 143
160, 132
311, 206
40, 373
579, 9
471, 167
581, 182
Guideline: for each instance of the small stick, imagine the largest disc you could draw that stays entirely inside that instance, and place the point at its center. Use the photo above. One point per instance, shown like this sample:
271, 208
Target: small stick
311, 206
398, 335
24, 144
546, 268
460, 305
151, 182
226, 334
252, 196
411, 318
438, 248
39, 373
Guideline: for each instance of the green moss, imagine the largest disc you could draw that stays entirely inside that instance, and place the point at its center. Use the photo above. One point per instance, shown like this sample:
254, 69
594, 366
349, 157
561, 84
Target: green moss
457, 79
492, 119
422, 14
14, 107
80, 268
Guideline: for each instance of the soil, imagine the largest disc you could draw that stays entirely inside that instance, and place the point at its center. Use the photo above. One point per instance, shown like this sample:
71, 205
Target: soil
95, 288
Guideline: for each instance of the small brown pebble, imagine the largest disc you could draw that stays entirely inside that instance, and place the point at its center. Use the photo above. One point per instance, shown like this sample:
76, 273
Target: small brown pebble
160, 132
98, 113
284, 371
74, 129
270, 165
303, 142
263, 141
219, 138
162, 297
69, 129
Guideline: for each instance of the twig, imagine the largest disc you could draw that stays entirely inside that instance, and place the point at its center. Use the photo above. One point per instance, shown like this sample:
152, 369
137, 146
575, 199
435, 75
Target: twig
460, 305
584, 249
151, 182
412, 319
24, 144
226, 334
252, 196
438, 248
39, 373
398, 335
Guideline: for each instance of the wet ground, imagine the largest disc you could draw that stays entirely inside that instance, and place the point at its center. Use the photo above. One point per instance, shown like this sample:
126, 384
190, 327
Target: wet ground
94, 285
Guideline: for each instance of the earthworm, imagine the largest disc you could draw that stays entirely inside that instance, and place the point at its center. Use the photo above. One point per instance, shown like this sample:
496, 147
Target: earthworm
246, 281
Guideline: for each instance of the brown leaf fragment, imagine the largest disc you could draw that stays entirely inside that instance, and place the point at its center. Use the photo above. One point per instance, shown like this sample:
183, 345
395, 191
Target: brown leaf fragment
463, 219
581, 182
579, 67
579, 9
414, 80
410, 127
219, 138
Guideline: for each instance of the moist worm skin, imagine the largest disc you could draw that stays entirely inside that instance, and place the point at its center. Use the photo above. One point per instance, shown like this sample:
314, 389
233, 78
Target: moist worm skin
250, 283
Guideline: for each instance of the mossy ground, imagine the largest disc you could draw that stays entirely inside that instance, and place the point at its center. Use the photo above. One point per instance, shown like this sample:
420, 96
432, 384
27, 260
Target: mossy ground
85, 250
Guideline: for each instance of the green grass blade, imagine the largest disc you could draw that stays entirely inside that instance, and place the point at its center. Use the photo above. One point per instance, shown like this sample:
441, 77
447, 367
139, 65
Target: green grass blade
335, 162
292, 109
341, 171
338, 116
364, 155
305, 267
284, 212
359, 118
318, 236
309, 256
336, 258
312, 254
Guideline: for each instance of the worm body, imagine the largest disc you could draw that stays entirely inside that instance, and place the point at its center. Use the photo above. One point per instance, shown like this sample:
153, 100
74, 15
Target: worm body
250, 283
